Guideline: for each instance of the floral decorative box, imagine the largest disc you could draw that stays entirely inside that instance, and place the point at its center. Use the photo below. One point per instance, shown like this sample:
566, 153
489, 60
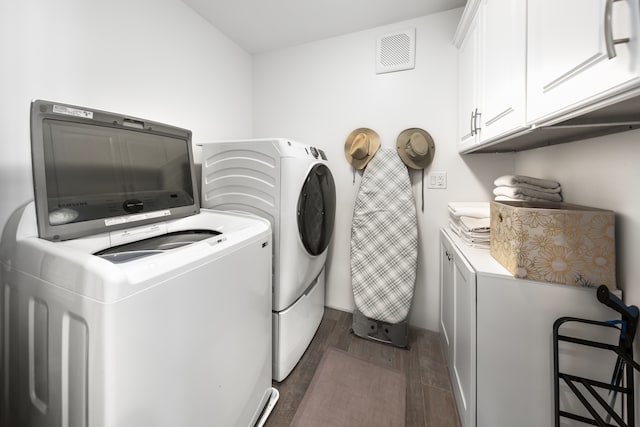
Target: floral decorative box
555, 242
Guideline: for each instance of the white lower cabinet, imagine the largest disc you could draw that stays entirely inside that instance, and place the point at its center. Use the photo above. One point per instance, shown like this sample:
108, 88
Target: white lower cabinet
497, 335
457, 324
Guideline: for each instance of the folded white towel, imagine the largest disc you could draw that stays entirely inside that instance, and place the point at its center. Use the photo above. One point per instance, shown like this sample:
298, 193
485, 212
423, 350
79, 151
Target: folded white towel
472, 238
526, 194
475, 225
475, 240
474, 243
536, 187
458, 228
480, 236
521, 199
470, 209
454, 227
514, 180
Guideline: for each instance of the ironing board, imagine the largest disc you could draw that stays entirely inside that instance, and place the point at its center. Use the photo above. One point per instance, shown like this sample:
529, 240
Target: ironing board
384, 241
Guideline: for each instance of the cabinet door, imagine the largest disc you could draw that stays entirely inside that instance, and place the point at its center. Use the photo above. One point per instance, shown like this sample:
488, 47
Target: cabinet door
458, 326
464, 346
446, 299
515, 349
468, 87
568, 65
503, 53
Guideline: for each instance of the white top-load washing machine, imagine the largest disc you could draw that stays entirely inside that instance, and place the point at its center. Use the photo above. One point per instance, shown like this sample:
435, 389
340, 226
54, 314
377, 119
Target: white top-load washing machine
289, 184
170, 330
126, 305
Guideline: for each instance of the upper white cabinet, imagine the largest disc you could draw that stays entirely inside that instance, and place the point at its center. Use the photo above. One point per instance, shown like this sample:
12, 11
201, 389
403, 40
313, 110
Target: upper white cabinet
579, 52
468, 87
492, 57
540, 72
503, 76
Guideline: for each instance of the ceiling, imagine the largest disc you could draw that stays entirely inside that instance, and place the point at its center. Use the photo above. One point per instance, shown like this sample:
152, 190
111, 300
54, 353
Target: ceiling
263, 25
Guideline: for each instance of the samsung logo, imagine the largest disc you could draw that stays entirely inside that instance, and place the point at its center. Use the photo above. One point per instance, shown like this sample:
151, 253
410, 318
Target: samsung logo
72, 204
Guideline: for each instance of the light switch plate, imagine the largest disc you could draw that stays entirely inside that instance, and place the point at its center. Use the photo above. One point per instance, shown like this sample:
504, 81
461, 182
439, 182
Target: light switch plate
437, 180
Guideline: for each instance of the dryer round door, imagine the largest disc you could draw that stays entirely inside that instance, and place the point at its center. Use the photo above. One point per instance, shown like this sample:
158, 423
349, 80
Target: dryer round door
317, 209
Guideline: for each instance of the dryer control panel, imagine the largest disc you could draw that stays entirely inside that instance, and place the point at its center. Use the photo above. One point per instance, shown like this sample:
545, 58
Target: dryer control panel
292, 149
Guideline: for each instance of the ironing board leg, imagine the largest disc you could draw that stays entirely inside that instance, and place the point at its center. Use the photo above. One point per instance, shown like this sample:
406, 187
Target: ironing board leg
396, 334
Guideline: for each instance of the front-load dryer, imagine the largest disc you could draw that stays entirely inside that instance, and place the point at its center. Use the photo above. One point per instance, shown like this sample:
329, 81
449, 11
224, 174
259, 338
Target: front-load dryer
289, 184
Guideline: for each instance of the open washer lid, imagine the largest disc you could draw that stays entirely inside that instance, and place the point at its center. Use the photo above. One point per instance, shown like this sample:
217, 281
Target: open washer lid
95, 171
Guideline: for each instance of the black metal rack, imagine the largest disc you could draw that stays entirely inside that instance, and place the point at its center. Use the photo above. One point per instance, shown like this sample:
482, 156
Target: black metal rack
622, 379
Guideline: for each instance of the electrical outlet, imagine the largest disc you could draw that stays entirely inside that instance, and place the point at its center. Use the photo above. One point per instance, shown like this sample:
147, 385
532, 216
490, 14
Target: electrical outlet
437, 180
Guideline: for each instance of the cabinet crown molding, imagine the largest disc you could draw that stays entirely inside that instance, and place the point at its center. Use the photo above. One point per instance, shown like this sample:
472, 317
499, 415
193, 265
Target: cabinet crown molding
465, 21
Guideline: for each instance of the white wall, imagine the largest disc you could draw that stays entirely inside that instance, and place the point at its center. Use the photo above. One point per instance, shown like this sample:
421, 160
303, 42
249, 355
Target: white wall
156, 60
600, 172
318, 93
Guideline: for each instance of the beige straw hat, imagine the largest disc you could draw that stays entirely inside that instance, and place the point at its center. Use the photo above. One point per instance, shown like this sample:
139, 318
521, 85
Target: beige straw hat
361, 146
416, 148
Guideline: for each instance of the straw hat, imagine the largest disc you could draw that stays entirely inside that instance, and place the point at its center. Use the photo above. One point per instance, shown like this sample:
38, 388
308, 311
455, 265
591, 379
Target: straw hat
360, 147
416, 148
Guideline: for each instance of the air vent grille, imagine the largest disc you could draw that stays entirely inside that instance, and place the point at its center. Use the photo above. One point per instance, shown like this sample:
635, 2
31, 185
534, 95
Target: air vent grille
396, 51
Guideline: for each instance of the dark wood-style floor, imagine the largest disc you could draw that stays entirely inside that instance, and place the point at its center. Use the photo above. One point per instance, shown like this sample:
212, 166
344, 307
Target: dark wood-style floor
430, 401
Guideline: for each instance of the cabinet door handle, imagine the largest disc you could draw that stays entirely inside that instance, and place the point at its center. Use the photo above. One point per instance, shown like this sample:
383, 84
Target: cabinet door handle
475, 121
609, 41
471, 124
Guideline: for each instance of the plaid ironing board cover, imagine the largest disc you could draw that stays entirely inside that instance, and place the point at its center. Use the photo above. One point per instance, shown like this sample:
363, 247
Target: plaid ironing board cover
384, 240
